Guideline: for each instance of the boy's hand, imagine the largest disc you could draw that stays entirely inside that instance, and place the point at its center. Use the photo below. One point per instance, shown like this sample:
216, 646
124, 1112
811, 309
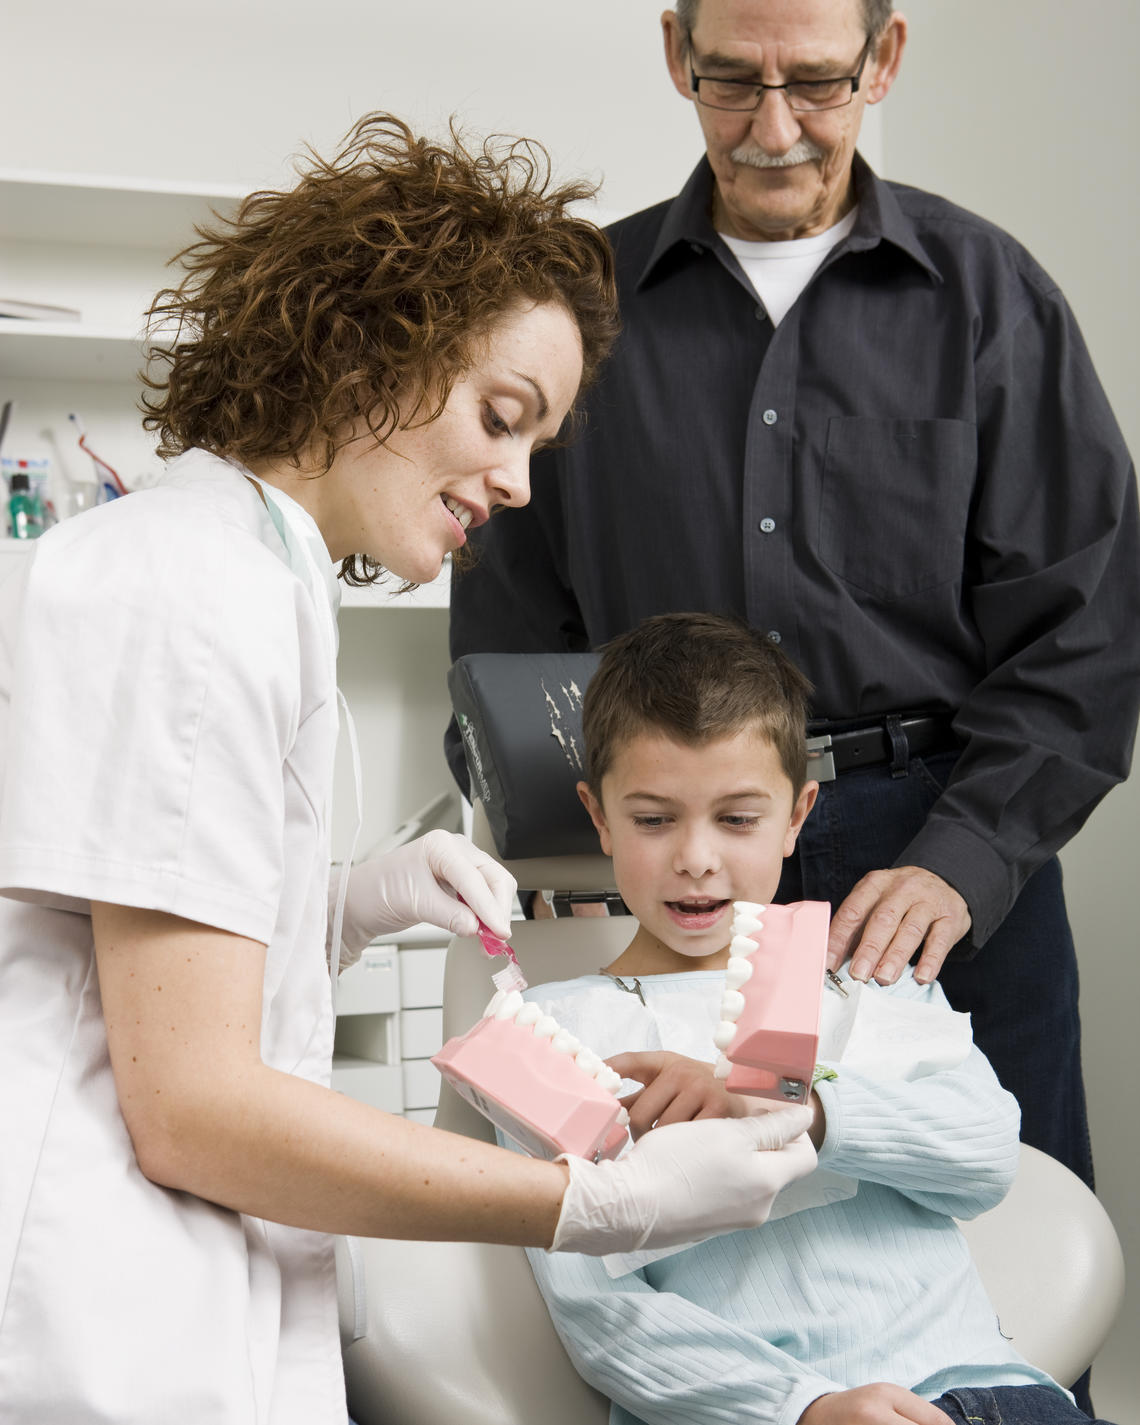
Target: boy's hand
879, 1404
676, 1090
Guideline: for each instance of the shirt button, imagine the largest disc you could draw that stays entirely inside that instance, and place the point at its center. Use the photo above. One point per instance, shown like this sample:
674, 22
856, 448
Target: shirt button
774, 636
760, 314
767, 525
770, 417
696, 247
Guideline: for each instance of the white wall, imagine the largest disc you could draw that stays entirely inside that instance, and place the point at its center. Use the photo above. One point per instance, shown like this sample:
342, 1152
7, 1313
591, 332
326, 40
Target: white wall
1028, 111
1000, 107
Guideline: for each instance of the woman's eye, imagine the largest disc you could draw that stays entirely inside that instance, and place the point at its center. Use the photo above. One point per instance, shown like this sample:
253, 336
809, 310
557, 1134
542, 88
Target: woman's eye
494, 422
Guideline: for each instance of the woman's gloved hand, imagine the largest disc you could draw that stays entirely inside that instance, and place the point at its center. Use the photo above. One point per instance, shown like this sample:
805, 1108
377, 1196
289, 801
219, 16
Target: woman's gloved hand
683, 1183
422, 881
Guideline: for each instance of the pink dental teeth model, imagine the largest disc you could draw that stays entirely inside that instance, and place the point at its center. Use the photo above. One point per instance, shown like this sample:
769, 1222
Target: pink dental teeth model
536, 1082
769, 1030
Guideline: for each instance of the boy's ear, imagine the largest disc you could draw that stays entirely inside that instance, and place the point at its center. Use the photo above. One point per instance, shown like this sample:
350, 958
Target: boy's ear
597, 816
804, 803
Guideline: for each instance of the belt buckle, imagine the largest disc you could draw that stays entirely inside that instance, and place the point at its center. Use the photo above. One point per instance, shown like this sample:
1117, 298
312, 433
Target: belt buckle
821, 760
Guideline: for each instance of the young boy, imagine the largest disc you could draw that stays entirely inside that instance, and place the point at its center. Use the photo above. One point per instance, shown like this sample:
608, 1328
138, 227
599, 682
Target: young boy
857, 1300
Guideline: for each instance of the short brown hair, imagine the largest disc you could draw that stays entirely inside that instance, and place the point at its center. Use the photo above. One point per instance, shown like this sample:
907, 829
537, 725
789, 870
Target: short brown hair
370, 282
695, 677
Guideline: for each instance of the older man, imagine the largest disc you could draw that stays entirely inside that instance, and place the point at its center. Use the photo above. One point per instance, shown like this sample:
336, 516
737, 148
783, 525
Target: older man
865, 421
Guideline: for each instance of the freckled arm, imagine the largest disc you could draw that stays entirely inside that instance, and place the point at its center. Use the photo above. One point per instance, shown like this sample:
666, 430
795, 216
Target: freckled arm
182, 1003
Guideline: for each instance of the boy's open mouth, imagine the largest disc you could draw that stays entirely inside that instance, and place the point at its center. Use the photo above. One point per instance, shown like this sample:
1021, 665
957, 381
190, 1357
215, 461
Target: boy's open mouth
696, 911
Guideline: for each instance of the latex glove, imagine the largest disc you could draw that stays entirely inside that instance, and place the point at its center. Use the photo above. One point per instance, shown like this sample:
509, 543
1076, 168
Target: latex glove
683, 1183
421, 881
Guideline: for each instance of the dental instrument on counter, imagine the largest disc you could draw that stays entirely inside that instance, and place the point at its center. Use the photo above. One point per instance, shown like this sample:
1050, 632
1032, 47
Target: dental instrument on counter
108, 486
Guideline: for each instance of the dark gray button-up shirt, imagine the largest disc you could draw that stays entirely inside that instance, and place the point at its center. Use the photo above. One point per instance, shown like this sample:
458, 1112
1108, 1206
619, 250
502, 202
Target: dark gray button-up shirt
915, 482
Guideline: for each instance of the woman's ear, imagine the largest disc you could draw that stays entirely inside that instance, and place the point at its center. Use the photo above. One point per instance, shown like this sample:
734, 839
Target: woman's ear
594, 806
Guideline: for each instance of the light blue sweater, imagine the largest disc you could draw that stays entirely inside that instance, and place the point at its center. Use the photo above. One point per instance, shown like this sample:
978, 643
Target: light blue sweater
878, 1286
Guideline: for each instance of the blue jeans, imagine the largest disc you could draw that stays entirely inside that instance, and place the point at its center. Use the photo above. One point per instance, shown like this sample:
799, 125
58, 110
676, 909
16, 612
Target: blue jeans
1011, 1405
1020, 989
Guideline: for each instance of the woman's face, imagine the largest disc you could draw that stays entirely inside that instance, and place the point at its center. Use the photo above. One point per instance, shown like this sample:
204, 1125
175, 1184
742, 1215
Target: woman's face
410, 502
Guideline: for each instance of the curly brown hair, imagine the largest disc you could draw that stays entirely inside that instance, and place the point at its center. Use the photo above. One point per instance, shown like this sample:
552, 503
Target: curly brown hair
362, 292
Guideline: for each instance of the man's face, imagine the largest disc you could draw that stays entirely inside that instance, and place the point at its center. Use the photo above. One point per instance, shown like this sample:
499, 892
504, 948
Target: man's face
781, 173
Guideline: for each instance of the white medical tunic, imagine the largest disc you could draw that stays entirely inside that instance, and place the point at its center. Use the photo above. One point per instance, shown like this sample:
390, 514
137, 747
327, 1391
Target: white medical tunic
167, 733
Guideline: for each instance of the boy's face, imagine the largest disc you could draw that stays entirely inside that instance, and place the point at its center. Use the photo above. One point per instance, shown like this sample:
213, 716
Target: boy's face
691, 829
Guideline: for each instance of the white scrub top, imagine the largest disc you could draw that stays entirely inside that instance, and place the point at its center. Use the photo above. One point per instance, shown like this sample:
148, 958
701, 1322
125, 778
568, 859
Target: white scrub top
168, 724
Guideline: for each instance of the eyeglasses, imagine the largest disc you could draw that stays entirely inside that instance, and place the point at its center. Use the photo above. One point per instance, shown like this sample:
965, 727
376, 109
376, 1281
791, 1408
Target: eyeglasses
803, 95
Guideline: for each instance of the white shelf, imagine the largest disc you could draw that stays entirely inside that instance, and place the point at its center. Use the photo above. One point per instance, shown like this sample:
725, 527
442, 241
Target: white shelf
69, 351
106, 211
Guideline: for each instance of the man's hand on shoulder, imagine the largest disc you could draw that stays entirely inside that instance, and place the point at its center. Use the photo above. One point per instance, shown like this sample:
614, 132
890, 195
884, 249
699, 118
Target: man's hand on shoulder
888, 916
878, 1404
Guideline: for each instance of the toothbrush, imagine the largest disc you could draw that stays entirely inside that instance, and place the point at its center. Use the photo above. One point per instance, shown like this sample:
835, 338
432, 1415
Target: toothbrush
510, 977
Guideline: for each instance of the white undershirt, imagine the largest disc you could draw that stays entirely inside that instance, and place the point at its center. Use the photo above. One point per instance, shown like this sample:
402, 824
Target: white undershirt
779, 271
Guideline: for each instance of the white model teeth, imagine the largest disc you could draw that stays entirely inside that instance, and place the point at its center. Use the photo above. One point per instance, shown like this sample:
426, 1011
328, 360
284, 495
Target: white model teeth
566, 1043
741, 946
510, 1005
623, 1118
724, 1034
722, 1069
748, 908
732, 1005
737, 972
461, 512
526, 1014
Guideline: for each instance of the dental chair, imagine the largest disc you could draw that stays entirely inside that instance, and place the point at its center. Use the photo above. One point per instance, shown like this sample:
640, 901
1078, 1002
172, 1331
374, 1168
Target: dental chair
456, 1333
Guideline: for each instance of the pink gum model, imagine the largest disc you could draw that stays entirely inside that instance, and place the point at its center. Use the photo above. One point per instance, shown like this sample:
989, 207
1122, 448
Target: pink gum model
534, 1081
769, 1029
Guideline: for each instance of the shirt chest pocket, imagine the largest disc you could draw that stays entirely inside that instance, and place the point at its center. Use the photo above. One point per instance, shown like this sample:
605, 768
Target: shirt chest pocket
894, 502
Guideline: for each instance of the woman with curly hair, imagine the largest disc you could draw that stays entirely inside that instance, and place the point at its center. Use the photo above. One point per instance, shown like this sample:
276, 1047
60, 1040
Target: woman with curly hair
360, 369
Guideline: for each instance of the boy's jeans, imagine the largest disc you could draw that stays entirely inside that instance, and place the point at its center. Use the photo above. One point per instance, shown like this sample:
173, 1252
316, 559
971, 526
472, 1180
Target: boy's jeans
1011, 1405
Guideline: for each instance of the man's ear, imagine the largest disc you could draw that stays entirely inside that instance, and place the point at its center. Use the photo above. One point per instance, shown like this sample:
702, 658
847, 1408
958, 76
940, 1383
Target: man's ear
888, 57
597, 816
804, 803
677, 53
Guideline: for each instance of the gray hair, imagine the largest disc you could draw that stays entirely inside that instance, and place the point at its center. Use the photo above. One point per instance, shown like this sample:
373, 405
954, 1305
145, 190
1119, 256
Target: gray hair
876, 13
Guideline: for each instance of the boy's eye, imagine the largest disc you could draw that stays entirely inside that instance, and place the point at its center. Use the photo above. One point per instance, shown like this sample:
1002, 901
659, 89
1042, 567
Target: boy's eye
649, 821
744, 820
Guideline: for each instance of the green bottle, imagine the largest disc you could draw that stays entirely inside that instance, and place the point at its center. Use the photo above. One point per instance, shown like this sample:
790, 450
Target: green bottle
23, 509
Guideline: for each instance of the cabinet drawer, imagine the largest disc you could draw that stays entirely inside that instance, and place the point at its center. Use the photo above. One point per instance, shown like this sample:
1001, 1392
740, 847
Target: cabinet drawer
421, 1033
421, 977
381, 1085
421, 1083
372, 985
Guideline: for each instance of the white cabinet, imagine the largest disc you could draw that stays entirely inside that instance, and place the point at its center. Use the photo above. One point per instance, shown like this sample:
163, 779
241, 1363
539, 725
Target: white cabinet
101, 246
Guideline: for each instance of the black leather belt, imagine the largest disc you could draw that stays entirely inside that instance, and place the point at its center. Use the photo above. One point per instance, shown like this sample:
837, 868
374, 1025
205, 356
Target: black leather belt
891, 740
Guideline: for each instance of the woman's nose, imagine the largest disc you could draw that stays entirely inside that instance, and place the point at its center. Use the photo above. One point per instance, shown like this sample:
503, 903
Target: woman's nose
510, 481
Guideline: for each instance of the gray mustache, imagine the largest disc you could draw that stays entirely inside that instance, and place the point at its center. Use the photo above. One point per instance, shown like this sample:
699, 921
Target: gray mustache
802, 151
